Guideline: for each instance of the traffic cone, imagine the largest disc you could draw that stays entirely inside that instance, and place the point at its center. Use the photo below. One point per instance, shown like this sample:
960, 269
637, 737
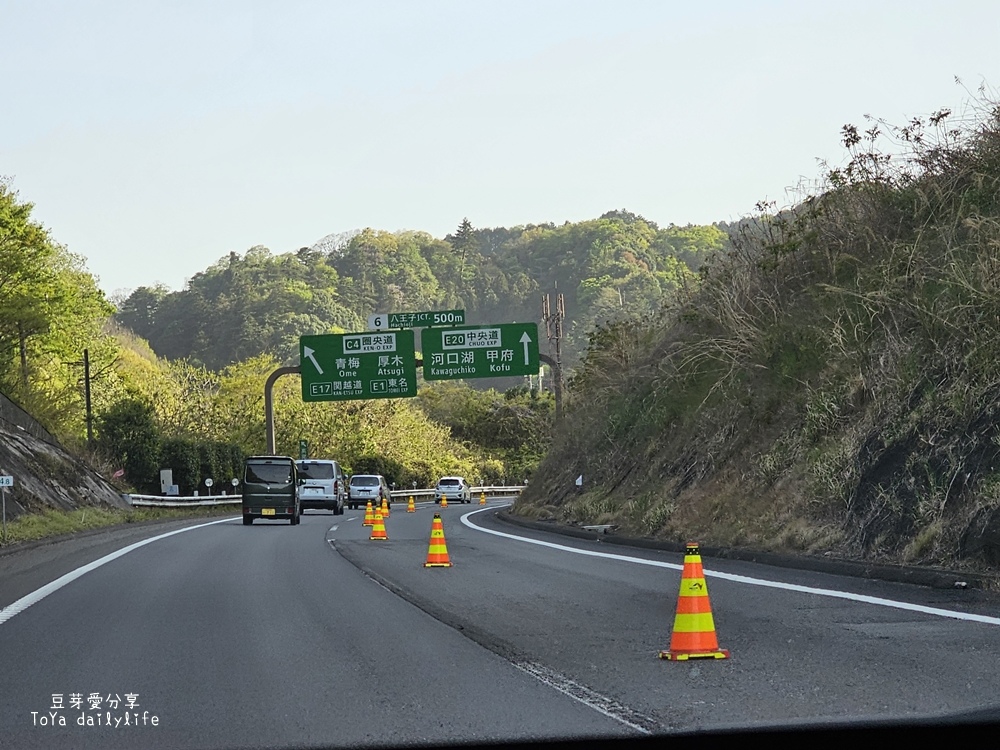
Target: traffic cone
369, 515
385, 508
378, 530
482, 498
444, 502
410, 507
437, 552
694, 628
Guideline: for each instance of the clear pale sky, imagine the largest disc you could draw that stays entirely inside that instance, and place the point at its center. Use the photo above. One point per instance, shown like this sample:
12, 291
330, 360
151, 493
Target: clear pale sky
156, 137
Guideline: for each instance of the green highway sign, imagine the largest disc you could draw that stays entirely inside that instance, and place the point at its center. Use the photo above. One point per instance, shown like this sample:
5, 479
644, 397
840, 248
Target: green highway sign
384, 321
349, 366
480, 351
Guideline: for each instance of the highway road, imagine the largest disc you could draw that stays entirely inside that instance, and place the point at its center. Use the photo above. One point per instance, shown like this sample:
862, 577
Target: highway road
313, 635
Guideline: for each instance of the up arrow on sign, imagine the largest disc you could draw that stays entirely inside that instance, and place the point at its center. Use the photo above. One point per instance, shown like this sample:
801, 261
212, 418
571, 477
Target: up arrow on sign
525, 340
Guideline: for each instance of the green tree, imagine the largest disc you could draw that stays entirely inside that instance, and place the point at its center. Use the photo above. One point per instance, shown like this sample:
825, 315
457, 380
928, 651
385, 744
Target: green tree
180, 455
209, 465
50, 311
139, 311
466, 244
27, 278
128, 433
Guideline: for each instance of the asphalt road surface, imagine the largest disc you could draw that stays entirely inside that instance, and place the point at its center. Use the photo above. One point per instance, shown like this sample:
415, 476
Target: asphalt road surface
287, 636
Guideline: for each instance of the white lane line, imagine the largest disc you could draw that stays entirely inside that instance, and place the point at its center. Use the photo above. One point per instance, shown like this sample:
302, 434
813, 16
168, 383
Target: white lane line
878, 601
38, 594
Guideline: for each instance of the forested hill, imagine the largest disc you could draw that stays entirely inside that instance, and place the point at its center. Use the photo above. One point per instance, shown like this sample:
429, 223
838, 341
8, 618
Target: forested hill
617, 266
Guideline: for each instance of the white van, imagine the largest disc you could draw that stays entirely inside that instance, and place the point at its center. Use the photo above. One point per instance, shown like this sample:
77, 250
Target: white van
322, 485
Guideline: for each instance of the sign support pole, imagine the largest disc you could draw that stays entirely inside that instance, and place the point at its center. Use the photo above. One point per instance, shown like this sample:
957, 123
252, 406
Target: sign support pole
269, 403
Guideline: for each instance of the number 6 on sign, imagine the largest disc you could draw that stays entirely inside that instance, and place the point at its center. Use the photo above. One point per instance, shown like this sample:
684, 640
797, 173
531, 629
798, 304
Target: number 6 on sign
378, 322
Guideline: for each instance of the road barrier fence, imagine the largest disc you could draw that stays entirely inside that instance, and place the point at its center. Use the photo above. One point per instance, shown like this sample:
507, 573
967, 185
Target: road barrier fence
191, 501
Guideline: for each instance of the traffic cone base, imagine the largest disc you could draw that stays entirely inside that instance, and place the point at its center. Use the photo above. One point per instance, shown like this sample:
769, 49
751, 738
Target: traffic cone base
437, 552
681, 656
410, 507
378, 530
693, 636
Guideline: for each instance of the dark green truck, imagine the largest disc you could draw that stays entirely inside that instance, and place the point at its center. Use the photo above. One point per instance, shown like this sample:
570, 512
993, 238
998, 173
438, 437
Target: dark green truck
271, 489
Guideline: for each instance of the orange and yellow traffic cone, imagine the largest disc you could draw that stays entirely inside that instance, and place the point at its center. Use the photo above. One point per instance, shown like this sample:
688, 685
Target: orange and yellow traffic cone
694, 629
410, 506
385, 508
482, 498
437, 552
378, 530
444, 502
369, 515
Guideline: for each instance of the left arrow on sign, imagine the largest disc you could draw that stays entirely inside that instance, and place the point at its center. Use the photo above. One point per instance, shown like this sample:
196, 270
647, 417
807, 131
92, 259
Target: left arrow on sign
525, 340
309, 355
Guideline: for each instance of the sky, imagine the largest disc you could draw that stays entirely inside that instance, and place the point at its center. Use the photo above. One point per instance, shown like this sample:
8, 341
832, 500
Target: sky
154, 138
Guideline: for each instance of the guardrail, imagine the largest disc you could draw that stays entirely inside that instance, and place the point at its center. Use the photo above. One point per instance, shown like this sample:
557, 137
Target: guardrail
490, 490
415, 493
159, 501
189, 501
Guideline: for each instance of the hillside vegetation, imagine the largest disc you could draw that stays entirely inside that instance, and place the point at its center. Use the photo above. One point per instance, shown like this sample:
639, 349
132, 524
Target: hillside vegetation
832, 385
152, 411
191, 364
51, 309
614, 267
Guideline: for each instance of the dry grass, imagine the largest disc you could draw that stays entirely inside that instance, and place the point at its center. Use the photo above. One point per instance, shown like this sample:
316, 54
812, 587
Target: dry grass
832, 384
51, 523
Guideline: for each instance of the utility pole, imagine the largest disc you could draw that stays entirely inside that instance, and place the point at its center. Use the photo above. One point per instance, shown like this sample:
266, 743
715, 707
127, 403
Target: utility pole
560, 316
89, 419
554, 324
546, 315
86, 396
554, 332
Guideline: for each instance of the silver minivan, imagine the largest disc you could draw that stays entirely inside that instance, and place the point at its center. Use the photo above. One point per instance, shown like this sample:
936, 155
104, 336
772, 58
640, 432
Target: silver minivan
322, 485
367, 487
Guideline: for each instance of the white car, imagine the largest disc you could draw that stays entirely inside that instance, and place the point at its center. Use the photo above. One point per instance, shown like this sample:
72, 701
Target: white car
455, 489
